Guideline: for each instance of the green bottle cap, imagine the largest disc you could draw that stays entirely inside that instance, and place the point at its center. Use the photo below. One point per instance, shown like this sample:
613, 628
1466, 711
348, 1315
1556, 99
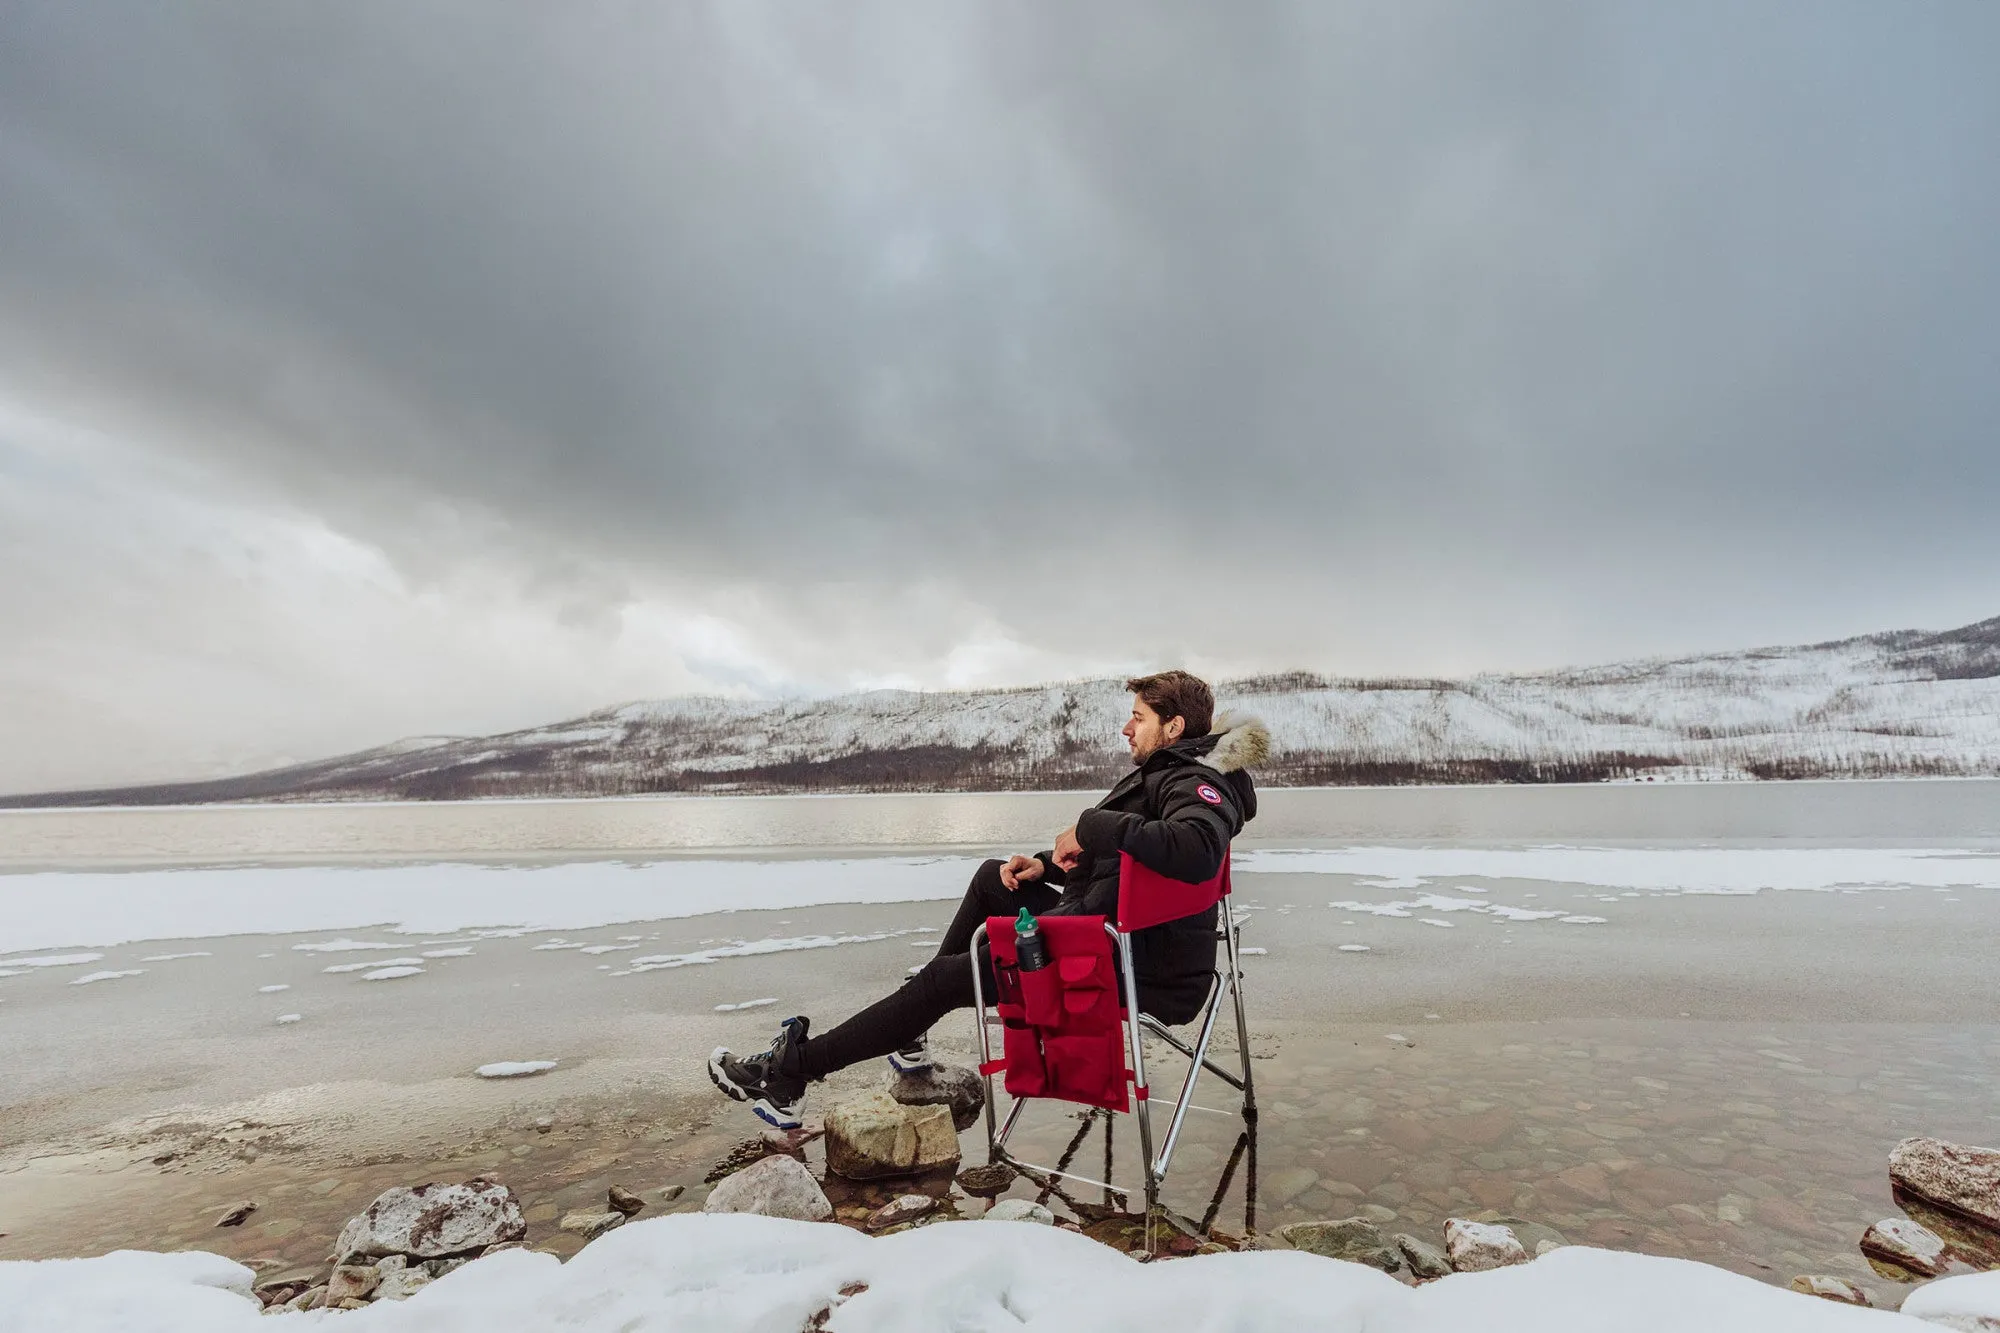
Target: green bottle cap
1025, 922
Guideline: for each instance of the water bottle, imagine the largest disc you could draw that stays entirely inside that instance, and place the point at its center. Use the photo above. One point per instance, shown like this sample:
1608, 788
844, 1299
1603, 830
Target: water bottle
1031, 951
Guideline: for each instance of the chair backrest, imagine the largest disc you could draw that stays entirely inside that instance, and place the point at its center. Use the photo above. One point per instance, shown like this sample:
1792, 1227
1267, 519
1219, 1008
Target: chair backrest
1148, 898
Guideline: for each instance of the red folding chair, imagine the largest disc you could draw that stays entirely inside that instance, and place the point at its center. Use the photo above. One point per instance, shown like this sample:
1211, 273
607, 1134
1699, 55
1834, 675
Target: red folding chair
1067, 1037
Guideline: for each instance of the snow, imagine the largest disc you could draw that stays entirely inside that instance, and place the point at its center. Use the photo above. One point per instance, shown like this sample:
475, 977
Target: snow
172, 957
374, 963
272, 990
1701, 870
1354, 948
107, 976
391, 973
463, 951
702, 1272
745, 1004
1966, 1299
54, 910
749, 949
289, 1018
55, 960
1252, 953
514, 1068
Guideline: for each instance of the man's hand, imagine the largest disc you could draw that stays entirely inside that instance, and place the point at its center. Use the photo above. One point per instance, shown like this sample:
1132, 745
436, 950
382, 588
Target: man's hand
1068, 850
1021, 870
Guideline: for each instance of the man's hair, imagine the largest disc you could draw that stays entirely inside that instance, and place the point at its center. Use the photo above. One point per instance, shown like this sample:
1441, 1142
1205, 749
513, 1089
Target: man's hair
1176, 694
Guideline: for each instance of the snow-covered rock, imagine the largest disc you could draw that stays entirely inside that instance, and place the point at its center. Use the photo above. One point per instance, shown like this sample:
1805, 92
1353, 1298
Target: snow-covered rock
777, 1186
433, 1221
1830, 1289
1951, 1176
1475, 1247
1969, 1304
874, 1135
1908, 1245
1019, 1210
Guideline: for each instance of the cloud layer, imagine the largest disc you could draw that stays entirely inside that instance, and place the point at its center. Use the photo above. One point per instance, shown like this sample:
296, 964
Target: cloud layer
373, 368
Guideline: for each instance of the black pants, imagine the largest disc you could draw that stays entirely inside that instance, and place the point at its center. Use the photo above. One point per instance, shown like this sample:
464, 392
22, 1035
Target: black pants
944, 984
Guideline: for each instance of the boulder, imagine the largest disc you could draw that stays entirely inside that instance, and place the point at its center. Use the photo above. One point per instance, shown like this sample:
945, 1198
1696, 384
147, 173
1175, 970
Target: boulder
1020, 1210
952, 1086
1355, 1239
351, 1282
625, 1201
903, 1208
1830, 1289
774, 1187
234, 1215
309, 1299
1910, 1246
1426, 1261
1952, 1177
432, 1221
672, 1192
589, 1223
874, 1135
793, 1141
1474, 1247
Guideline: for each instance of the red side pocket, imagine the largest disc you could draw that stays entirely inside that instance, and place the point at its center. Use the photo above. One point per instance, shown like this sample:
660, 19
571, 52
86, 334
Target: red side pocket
1026, 1074
1042, 993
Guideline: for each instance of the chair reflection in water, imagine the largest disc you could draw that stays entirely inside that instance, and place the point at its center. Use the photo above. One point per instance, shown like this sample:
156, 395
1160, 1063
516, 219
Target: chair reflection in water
1072, 1031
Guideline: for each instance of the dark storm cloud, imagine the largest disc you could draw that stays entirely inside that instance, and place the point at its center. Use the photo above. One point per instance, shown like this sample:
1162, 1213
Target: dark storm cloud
1490, 334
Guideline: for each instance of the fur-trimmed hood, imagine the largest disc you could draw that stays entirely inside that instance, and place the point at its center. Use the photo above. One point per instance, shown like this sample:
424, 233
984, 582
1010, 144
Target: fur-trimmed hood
1241, 741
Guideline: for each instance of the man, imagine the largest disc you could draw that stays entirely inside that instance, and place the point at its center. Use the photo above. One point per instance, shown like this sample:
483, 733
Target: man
1189, 793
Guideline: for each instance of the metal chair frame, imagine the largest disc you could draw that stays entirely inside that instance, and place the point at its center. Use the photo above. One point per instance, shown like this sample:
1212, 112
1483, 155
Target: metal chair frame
1136, 1025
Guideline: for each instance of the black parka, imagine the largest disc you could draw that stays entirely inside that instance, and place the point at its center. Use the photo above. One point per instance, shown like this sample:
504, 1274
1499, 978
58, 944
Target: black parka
1161, 813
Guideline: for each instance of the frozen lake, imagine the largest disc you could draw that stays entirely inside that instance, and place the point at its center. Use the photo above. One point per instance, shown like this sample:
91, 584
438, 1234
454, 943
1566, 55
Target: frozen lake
1690, 1019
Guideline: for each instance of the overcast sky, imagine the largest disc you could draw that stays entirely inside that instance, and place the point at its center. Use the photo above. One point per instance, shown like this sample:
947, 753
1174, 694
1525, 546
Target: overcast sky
380, 368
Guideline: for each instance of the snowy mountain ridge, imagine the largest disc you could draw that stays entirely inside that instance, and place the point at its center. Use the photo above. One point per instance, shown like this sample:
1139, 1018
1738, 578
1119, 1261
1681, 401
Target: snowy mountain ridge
1902, 703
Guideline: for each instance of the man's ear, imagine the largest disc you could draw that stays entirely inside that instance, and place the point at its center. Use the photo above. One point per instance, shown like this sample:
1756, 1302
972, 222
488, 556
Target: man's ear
1173, 728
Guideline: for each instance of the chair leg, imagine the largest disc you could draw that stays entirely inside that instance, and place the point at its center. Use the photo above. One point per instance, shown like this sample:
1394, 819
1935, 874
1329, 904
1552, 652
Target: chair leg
1242, 1019
1142, 1109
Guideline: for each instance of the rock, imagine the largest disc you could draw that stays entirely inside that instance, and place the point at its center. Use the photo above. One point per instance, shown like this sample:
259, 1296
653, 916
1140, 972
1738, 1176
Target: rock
1020, 1210
351, 1303
672, 1192
310, 1299
774, 1187
432, 1221
1355, 1239
1537, 1238
1949, 1176
1280, 1187
279, 1293
953, 1086
1426, 1261
233, 1215
590, 1225
984, 1182
794, 1140
437, 1268
874, 1135
498, 1246
625, 1201
903, 1208
403, 1283
1830, 1288
543, 1124
351, 1282
1908, 1245
1474, 1247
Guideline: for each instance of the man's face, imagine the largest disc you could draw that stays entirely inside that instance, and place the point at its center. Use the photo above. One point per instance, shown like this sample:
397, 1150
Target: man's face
1145, 732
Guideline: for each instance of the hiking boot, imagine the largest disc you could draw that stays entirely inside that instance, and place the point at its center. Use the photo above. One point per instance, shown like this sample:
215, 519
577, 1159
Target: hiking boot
914, 1058
761, 1079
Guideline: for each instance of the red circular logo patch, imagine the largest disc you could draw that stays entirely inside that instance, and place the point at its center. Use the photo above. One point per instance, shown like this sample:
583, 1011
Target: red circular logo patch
1209, 794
